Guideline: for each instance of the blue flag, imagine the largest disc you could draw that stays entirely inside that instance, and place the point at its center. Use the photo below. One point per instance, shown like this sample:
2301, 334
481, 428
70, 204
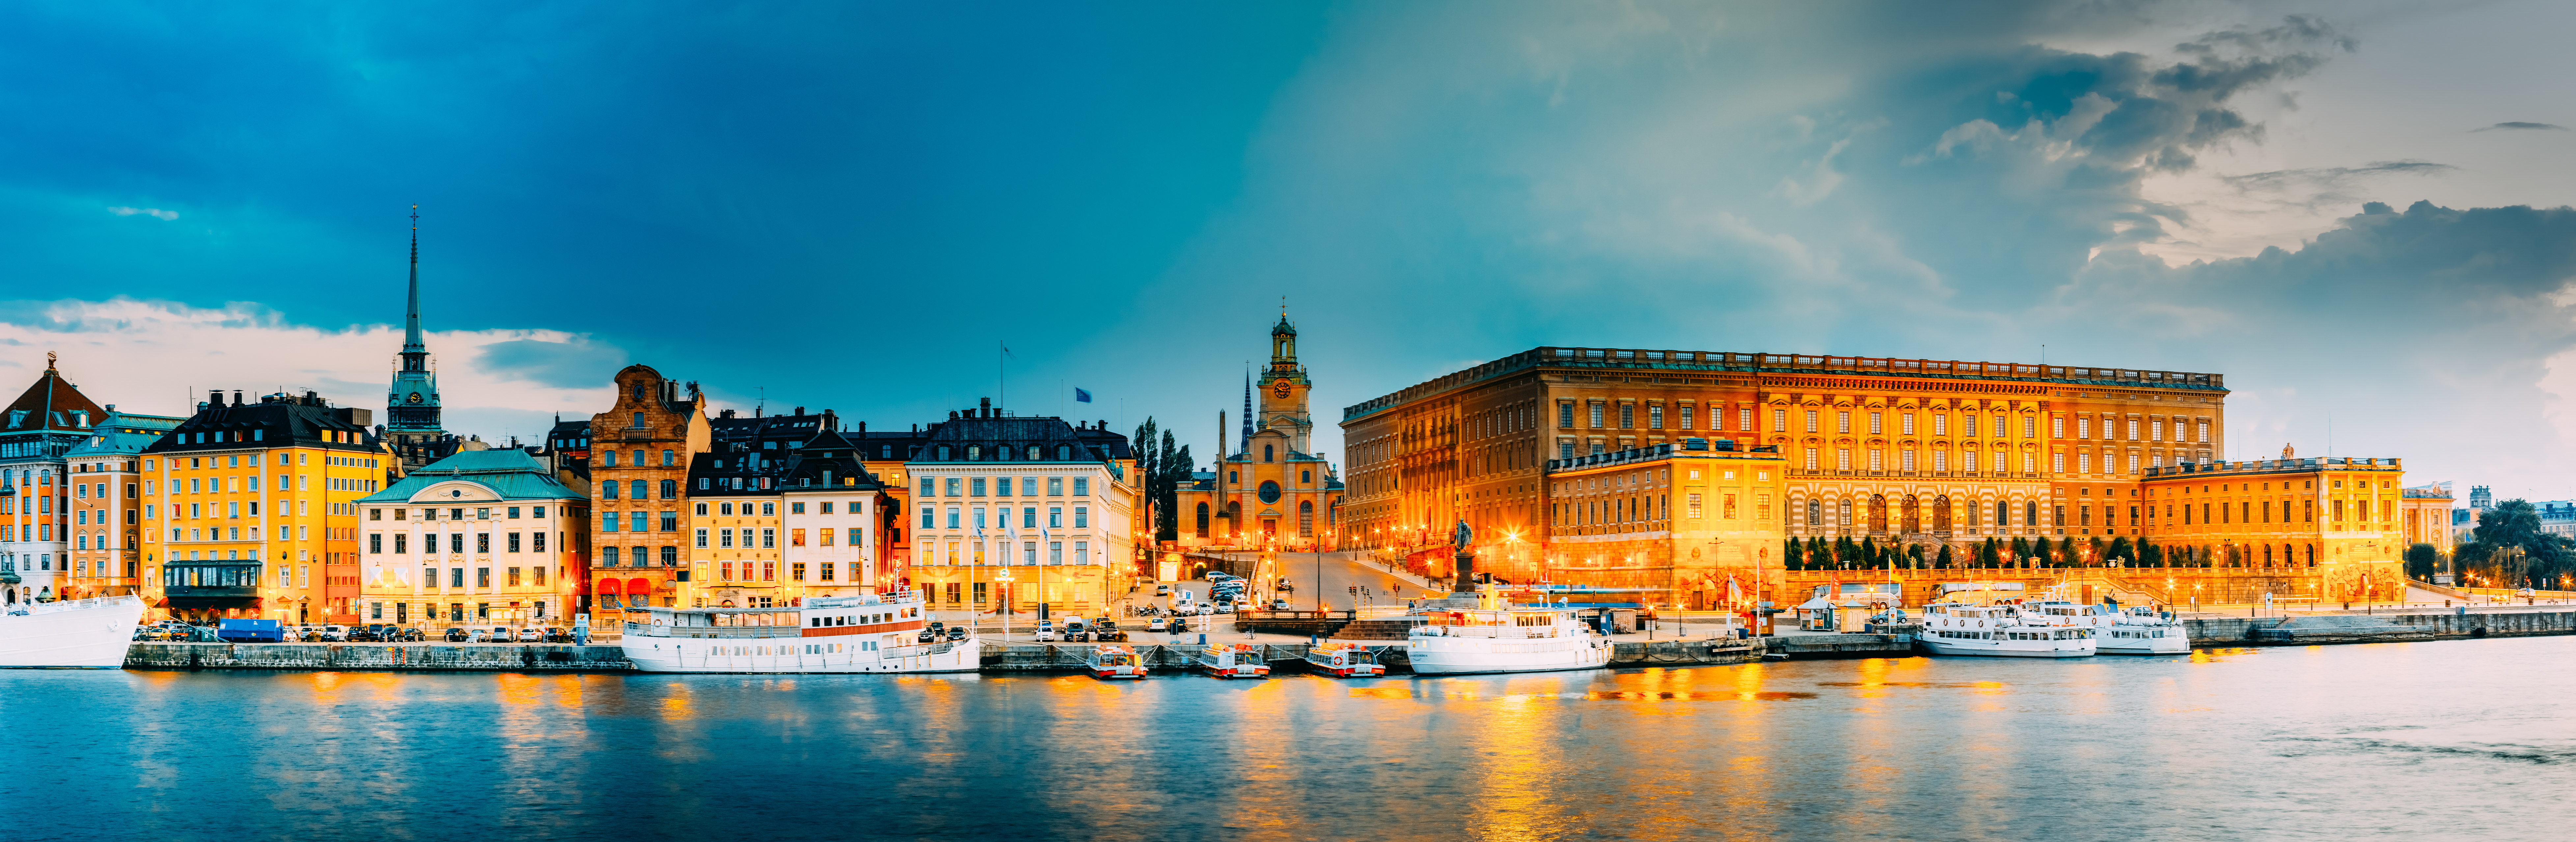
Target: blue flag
1081, 396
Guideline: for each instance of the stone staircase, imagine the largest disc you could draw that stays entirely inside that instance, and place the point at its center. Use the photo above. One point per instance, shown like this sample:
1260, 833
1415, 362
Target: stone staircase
2338, 628
1378, 629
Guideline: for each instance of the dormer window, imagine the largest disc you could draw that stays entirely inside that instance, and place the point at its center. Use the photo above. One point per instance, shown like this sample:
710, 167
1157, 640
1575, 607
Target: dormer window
80, 418
17, 418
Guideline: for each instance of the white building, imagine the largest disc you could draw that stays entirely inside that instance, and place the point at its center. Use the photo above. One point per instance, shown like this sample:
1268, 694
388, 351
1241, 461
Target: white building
834, 520
480, 538
1052, 503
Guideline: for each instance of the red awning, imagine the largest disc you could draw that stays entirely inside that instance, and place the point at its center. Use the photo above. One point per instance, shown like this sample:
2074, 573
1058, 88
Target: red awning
606, 586
639, 586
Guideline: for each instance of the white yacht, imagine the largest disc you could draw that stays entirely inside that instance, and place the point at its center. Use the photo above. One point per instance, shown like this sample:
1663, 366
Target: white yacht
1497, 636
2139, 631
75, 634
870, 633
2004, 630
1344, 659
1234, 660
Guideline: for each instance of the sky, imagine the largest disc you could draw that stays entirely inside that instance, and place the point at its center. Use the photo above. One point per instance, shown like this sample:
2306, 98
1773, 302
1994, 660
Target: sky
2358, 211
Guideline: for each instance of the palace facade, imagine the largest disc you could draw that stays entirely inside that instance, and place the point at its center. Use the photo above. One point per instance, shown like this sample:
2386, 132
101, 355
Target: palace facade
1918, 451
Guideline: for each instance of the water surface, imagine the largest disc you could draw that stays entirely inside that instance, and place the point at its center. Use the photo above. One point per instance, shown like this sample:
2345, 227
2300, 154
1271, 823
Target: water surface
2449, 739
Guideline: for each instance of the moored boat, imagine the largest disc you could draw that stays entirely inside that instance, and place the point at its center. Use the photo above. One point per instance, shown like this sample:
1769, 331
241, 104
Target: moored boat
1496, 636
867, 633
1344, 659
2003, 631
2141, 631
72, 634
1234, 660
1114, 662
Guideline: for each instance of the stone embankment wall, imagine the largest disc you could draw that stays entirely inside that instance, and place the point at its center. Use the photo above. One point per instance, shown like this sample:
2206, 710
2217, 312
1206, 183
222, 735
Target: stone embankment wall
2445, 626
420, 657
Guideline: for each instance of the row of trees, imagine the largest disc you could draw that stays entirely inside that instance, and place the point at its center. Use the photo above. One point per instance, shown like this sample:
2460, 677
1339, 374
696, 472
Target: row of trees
1164, 463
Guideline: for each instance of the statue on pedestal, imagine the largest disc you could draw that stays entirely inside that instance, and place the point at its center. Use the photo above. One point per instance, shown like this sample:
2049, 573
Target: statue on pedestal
1463, 538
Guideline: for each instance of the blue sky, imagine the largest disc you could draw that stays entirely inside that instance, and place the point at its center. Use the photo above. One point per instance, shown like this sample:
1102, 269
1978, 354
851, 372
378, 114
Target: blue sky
852, 205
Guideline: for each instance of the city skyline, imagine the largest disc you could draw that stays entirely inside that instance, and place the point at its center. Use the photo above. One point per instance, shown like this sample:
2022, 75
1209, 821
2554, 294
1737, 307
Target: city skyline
1425, 199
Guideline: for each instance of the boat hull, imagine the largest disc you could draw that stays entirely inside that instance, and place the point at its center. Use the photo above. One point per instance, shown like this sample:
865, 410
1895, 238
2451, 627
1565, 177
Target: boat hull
2081, 648
790, 655
83, 634
1469, 655
1357, 671
2176, 642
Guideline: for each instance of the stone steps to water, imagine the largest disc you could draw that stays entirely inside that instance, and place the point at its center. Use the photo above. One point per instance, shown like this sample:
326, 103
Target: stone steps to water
1380, 629
2331, 627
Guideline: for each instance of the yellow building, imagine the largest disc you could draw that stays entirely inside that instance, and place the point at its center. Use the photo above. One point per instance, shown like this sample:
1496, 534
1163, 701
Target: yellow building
1052, 505
1695, 523
1274, 493
2335, 523
250, 510
735, 544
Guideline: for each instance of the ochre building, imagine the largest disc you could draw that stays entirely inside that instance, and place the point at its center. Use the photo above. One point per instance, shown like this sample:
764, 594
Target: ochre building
1920, 451
1274, 493
2337, 524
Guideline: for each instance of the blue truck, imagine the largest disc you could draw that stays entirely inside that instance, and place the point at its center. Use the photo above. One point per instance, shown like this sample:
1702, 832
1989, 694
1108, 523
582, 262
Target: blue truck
250, 631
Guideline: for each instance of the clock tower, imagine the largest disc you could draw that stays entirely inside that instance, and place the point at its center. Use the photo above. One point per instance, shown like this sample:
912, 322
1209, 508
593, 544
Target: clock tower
411, 407
1283, 389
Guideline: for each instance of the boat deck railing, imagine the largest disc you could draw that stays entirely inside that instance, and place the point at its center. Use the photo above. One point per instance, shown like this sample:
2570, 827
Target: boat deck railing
1497, 632
650, 630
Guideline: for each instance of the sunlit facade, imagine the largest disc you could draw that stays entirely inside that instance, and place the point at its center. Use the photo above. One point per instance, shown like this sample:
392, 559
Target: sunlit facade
481, 538
250, 510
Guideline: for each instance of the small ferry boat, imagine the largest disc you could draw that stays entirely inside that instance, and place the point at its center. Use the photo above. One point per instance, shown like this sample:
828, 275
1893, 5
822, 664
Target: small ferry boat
1495, 635
1234, 660
2141, 631
867, 633
72, 634
2003, 631
1344, 659
1113, 662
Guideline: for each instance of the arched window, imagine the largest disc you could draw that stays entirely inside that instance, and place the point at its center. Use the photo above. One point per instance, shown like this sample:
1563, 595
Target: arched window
1815, 514
1267, 455
1269, 491
1306, 519
1203, 520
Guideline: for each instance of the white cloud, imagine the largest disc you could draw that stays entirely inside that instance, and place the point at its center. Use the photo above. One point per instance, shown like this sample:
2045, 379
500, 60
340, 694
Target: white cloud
155, 213
161, 358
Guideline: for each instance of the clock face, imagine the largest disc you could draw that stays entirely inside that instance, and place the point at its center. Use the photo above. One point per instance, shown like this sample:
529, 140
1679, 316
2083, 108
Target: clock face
1279, 388
415, 398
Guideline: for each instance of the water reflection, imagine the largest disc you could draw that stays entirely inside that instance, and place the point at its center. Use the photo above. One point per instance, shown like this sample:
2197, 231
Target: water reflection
2198, 747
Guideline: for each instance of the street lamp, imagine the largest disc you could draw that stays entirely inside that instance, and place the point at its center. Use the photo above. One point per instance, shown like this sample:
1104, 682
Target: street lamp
1002, 577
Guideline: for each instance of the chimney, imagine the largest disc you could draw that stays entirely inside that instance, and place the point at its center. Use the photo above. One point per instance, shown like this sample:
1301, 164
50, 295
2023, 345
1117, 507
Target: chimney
215, 398
800, 410
863, 428
312, 398
237, 398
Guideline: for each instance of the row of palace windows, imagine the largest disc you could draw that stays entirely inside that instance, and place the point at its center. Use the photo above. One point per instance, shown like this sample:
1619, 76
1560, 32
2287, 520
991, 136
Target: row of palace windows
1001, 486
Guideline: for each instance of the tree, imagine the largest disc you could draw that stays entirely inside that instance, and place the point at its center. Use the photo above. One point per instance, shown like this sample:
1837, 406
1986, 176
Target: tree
2150, 555
2511, 525
2040, 553
2421, 562
1163, 463
2120, 549
1943, 561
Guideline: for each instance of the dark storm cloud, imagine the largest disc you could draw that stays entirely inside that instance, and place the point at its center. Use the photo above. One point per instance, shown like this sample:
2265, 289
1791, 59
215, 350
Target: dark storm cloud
575, 364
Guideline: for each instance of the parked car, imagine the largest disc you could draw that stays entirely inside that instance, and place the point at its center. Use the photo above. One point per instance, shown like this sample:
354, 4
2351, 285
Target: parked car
412, 635
530, 634
1106, 630
360, 634
335, 634
1076, 631
502, 634
458, 634
1157, 624
1205, 610
956, 632
1278, 605
1162, 590
558, 634
1046, 631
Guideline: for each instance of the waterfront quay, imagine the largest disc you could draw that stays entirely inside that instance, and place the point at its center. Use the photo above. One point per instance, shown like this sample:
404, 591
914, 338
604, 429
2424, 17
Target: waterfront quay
1285, 651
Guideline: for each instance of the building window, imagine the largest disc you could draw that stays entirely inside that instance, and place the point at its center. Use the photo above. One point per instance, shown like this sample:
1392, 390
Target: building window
1655, 417
1874, 428
1842, 422
1906, 423
2057, 426
1081, 487
1811, 459
1565, 414
1597, 409
1686, 418
1564, 448
1842, 459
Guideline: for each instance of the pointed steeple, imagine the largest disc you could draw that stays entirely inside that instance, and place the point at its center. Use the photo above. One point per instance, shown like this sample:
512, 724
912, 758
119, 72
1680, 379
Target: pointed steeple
415, 352
1246, 442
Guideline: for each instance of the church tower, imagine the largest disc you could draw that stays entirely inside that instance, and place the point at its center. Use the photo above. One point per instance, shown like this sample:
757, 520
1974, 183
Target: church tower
1284, 389
411, 411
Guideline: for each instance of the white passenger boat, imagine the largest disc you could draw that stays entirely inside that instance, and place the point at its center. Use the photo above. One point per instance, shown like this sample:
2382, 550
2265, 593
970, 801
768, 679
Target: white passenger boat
1114, 662
1344, 659
2004, 630
76, 634
2140, 631
1234, 660
869, 633
1497, 636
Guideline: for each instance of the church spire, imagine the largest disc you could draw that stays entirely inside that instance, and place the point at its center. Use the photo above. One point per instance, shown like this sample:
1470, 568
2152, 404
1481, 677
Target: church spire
1246, 443
415, 353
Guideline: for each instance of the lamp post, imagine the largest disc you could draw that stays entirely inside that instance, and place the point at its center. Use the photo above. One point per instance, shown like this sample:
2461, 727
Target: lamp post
1002, 577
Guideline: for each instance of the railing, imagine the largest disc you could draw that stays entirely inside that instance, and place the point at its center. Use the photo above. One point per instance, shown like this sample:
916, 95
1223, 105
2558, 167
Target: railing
1494, 632
650, 630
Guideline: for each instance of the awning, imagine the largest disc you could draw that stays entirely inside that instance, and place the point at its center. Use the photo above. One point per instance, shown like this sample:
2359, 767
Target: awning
606, 587
639, 586
1814, 604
